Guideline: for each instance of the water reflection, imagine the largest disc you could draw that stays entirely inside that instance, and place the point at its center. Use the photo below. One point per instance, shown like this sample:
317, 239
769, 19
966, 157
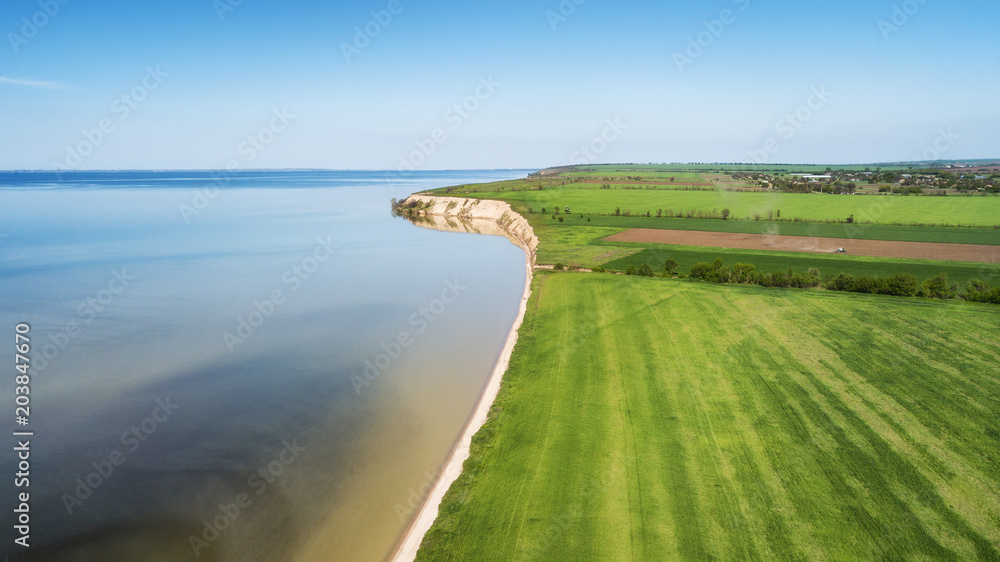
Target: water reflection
216, 475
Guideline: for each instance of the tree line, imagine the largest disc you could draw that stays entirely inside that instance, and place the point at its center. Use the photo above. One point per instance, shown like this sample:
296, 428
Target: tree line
900, 284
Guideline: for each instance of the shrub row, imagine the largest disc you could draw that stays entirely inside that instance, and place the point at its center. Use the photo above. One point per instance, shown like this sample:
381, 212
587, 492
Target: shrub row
747, 274
978, 291
900, 285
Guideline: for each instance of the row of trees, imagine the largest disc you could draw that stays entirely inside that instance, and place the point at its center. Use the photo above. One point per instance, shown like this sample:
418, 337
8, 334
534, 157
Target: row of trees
980, 291
724, 214
747, 274
901, 284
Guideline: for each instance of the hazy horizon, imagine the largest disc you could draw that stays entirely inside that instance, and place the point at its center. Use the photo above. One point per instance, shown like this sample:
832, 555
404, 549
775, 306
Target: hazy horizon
514, 168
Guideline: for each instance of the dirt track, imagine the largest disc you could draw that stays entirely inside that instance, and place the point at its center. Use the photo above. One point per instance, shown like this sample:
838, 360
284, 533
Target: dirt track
875, 248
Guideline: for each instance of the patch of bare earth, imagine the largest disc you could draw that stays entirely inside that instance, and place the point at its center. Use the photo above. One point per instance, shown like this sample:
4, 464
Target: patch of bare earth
873, 248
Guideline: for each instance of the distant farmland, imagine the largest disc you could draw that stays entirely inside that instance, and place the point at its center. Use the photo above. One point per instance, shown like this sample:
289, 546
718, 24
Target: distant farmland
652, 419
589, 199
873, 248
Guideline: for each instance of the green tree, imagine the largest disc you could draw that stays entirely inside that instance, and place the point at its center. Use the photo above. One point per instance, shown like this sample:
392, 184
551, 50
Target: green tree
937, 287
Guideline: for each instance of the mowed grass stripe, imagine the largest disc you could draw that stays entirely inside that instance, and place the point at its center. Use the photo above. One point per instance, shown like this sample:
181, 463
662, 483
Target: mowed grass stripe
973, 487
654, 419
675, 451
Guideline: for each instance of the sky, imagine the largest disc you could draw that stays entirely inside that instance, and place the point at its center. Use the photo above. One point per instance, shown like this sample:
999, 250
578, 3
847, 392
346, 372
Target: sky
412, 84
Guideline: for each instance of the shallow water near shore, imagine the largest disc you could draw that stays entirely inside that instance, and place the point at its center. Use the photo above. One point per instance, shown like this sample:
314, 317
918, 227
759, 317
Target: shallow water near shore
274, 370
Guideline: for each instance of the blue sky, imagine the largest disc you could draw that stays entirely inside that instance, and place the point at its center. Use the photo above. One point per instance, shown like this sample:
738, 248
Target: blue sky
268, 85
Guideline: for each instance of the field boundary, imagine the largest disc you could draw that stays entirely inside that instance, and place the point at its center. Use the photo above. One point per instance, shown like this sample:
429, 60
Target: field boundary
937, 251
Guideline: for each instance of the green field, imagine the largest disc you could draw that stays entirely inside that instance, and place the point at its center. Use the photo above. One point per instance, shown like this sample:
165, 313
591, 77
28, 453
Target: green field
829, 265
653, 419
572, 244
989, 236
603, 168
576, 238
879, 209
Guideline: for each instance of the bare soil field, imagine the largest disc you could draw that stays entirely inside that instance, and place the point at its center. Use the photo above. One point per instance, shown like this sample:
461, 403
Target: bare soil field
873, 248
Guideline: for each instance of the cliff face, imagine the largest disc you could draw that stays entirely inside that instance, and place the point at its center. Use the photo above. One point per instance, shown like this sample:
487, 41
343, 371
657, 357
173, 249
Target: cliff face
457, 214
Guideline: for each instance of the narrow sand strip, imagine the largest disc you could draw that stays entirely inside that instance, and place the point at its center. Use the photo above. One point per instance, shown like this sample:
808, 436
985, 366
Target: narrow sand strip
517, 229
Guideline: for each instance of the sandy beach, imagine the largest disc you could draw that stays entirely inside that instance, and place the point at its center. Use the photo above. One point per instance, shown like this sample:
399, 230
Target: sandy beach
516, 228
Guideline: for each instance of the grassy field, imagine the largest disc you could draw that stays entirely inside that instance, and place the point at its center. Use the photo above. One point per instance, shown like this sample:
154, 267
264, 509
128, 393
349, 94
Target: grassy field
829, 265
809, 168
652, 419
578, 240
990, 236
589, 199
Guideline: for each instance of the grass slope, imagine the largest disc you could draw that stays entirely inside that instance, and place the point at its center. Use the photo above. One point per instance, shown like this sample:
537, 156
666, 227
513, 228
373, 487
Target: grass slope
650, 419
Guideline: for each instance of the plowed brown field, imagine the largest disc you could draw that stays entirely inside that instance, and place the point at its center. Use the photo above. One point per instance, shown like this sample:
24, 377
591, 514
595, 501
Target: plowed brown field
874, 248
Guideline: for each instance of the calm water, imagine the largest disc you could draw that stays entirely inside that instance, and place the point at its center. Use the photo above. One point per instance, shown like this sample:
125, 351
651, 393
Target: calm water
271, 371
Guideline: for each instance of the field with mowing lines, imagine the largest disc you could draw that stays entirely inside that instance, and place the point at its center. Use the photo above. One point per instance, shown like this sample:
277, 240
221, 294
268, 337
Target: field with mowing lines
650, 419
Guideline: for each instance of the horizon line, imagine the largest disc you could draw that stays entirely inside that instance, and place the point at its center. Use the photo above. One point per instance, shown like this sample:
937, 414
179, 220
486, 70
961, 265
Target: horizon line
703, 163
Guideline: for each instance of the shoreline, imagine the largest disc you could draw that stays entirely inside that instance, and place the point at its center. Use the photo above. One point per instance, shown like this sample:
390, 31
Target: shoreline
516, 228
